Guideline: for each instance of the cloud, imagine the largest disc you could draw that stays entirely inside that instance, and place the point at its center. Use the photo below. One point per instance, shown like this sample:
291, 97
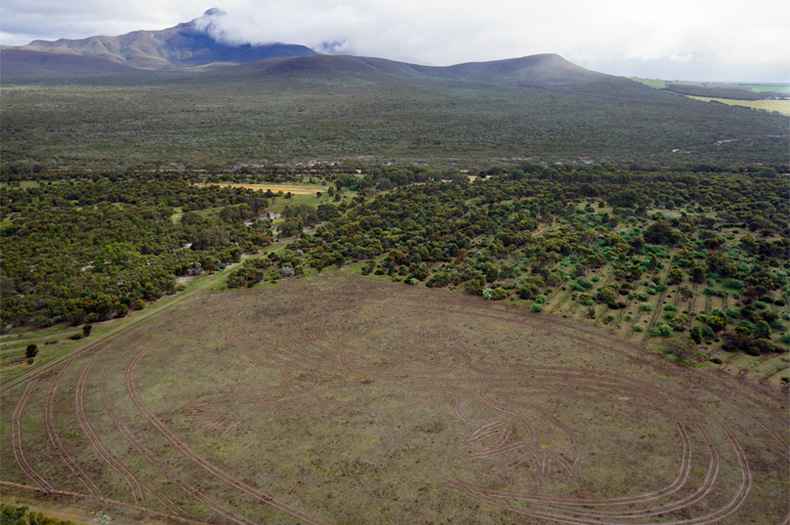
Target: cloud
703, 37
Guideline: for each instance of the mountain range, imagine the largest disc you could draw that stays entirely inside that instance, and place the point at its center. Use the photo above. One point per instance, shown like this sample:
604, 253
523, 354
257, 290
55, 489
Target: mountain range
190, 47
178, 95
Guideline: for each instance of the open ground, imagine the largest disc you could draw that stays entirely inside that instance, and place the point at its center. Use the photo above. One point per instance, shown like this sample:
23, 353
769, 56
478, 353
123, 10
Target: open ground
344, 399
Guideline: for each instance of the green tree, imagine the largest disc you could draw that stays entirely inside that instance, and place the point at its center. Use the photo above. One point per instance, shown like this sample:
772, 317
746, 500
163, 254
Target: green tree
696, 334
31, 351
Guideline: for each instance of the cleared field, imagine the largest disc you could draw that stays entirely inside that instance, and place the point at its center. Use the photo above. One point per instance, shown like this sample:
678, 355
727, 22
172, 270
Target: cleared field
341, 399
296, 189
780, 106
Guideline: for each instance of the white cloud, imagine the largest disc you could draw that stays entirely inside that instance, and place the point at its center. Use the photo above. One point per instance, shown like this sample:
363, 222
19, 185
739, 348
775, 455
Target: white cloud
704, 37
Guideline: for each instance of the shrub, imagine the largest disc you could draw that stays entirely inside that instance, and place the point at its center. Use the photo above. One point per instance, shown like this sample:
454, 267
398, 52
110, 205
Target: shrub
86, 330
639, 328
139, 304
540, 298
716, 360
662, 330
646, 307
75, 337
537, 308
31, 351
752, 350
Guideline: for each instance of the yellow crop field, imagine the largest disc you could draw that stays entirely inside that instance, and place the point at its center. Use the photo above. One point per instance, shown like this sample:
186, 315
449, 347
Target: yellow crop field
296, 189
780, 106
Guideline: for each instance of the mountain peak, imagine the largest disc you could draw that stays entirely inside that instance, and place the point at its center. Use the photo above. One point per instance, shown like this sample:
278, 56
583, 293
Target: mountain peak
187, 45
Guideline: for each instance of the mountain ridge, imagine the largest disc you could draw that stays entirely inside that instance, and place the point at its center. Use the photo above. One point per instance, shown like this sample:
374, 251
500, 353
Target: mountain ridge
183, 46
190, 46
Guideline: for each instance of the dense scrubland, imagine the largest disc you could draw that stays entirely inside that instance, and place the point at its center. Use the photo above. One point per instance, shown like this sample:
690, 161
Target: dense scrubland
695, 259
337, 111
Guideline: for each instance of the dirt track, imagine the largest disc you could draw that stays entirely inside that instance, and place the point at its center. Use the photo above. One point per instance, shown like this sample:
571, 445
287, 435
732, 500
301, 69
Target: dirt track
372, 393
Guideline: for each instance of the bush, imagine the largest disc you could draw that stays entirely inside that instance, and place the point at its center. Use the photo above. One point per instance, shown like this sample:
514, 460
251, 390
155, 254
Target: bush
646, 307
716, 360
540, 298
31, 351
537, 308
75, 337
662, 330
716, 322
139, 304
86, 330
639, 328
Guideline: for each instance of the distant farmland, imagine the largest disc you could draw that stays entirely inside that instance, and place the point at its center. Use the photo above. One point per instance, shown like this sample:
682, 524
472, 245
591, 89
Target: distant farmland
344, 399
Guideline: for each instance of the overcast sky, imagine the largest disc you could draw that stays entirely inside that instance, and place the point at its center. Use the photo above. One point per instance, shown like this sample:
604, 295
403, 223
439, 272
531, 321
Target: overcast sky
721, 40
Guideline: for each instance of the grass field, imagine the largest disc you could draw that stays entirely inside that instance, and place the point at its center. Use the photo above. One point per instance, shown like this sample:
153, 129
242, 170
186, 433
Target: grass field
780, 106
295, 189
347, 399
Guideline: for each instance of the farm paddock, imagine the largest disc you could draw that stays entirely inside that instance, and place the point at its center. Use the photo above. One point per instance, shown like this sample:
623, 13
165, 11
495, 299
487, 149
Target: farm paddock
346, 399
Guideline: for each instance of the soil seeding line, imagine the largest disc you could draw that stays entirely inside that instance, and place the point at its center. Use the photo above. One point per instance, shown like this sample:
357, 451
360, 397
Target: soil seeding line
774, 372
730, 360
199, 460
559, 304
693, 302
616, 323
598, 318
654, 318
157, 462
16, 441
54, 439
555, 292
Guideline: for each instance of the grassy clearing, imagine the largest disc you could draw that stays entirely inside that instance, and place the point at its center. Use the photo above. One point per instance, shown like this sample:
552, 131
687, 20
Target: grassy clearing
346, 399
295, 189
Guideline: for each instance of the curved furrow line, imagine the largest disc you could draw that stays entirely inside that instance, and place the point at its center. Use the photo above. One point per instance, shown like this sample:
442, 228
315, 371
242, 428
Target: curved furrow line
160, 465
201, 461
54, 439
16, 440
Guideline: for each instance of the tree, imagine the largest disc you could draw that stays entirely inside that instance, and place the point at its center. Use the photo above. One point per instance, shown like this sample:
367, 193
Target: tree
696, 334
31, 351
606, 294
675, 276
86, 330
716, 322
327, 211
